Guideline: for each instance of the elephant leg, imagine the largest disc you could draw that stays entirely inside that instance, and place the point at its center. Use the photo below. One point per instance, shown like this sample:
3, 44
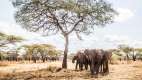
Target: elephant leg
34, 60
86, 66
104, 67
92, 68
43, 59
100, 69
97, 67
107, 68
80, 66
76, 66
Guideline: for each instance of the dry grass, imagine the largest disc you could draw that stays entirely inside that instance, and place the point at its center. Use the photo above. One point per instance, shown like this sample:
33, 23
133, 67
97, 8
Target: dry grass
3, 64
131, 71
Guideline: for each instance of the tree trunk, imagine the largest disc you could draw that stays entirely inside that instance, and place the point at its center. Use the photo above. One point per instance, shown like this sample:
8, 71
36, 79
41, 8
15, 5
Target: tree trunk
64, 63
127, 56
134, 56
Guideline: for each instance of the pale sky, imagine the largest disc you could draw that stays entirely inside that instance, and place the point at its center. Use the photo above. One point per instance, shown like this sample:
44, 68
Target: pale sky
127, 28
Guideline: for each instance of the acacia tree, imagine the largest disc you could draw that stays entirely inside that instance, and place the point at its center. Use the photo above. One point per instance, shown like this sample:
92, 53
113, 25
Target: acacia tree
34, 49
126, 49
134, 56
8, 39
139, 53
63, 16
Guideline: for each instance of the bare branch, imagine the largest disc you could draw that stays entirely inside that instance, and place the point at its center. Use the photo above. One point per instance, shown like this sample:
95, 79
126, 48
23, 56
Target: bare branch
57, 22
78, 36
75, 25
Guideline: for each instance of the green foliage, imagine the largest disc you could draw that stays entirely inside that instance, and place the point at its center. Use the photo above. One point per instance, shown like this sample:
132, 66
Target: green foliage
7, 39
13, 38
117, 53
115, 57
42, 48
2, 35
139, 50
125, 48
3, 55
53, 16
10, 37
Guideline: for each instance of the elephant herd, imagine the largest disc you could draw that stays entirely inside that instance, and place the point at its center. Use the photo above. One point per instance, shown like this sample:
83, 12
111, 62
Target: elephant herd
13, 56
96, 59
44, 58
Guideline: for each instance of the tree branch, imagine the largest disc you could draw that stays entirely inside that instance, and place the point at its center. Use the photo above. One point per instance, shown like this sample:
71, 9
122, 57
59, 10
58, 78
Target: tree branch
78, 36
57, 22
75, 25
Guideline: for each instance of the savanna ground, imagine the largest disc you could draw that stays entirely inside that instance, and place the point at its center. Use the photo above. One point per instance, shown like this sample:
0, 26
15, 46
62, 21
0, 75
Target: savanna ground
52, 71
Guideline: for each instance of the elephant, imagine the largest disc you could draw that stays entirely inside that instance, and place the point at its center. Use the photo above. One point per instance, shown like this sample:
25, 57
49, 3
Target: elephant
54, 58
43, 57
95, 57
35, 57
106, 58
81, 60
12, 56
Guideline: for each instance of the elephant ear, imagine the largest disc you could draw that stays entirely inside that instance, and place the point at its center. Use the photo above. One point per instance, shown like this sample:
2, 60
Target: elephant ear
74, 58
86, 53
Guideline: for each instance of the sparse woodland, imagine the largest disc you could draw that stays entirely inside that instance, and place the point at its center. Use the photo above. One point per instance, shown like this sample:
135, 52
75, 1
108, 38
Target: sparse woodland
45, 61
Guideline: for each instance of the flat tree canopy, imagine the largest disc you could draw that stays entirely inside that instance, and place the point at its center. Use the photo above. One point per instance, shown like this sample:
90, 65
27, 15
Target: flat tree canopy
7, 39
63, 16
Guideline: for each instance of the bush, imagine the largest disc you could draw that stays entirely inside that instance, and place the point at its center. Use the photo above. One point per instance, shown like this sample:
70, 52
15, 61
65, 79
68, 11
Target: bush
115, 58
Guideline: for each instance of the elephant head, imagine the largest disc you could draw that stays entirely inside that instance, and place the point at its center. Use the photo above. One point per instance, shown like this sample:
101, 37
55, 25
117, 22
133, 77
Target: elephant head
89, 54
80, 60
74, 58
77, 56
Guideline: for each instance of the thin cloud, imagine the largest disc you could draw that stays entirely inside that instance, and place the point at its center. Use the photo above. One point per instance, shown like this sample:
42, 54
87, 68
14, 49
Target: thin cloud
124, 14
121, 39
13, 29
116, 38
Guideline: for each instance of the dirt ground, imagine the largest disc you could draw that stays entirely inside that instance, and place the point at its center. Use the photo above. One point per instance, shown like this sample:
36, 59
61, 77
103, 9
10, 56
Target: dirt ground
52, 71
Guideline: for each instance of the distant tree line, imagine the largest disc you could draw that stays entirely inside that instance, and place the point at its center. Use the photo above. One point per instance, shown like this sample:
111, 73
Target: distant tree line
35, 52
125, 52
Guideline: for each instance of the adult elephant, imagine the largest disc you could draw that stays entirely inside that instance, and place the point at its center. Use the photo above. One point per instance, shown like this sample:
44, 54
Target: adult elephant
12, 56
106, 57
81, 60
35, 57
43, 57
95, 58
